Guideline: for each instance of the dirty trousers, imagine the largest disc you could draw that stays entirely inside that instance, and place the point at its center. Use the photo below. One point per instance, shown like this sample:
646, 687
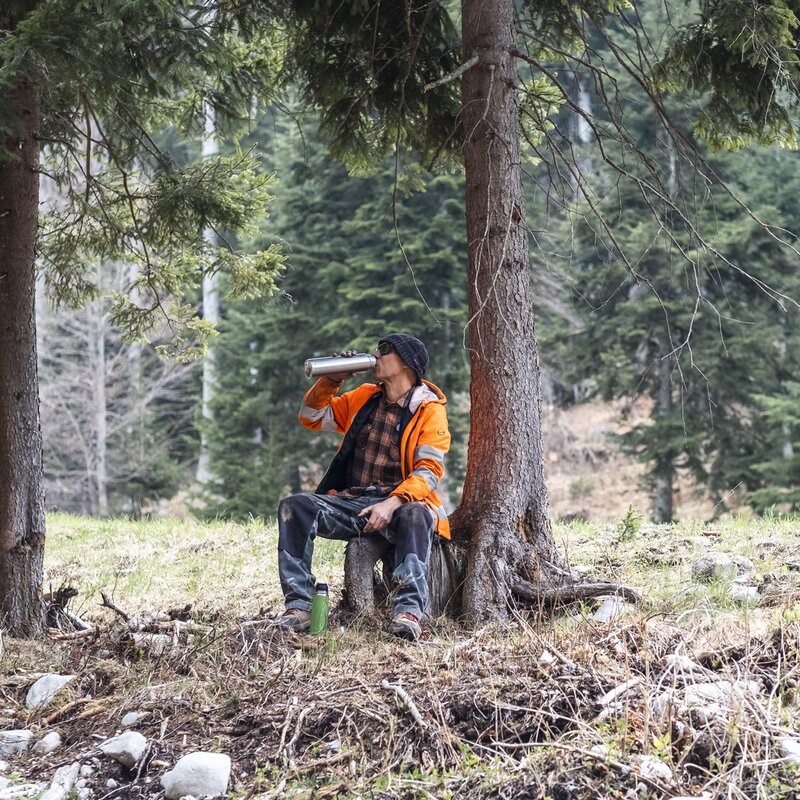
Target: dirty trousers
303, 517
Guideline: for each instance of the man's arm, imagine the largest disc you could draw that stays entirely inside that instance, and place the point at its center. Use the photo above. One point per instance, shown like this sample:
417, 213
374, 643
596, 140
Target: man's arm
322, 410
428, 457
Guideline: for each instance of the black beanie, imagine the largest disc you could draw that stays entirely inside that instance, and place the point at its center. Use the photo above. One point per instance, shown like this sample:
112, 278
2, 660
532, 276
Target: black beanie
410, 349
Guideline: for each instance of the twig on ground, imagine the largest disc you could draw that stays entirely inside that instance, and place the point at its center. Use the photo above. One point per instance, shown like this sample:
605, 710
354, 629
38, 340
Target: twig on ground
56, 634
65, 709
406, 698
109, 603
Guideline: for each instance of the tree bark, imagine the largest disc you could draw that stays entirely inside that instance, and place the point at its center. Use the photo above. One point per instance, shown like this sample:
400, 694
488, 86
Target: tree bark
665, 467
210, 313
22, 521
504, 509
98, 476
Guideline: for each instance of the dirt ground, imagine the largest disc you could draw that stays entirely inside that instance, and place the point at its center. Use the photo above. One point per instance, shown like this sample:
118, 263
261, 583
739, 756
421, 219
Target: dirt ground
590, 479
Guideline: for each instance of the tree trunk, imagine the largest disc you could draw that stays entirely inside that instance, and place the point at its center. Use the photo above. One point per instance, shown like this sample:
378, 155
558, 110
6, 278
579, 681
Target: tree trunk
504, 510
98, 477
210, 313
22, 523
665, 468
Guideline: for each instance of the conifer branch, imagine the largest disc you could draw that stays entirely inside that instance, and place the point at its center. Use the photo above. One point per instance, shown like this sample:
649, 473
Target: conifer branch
456, 73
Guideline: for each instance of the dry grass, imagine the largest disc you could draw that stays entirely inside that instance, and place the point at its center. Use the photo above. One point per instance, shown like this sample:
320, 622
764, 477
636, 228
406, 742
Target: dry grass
521, 708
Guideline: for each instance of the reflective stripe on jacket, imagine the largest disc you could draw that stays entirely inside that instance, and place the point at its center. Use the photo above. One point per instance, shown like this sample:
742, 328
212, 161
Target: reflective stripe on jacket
424, 441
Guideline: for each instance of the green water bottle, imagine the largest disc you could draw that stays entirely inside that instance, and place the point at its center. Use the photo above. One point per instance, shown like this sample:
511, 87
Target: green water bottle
319, 609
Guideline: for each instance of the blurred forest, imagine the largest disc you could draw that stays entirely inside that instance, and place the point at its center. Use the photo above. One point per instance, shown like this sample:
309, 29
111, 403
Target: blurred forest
690, 370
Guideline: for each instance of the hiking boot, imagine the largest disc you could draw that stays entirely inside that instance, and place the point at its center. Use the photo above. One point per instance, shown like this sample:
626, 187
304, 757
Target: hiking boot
405, 626
294, 619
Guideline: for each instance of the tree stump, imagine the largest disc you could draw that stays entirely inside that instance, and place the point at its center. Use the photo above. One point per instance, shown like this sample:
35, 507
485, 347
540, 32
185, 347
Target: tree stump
368, 583
366, 586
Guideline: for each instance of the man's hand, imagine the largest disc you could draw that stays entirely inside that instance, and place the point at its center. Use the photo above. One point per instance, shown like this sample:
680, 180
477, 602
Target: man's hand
339, 377
380, 515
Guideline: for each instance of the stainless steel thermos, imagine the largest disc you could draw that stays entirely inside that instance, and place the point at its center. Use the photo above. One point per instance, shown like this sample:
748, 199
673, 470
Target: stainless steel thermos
360, 362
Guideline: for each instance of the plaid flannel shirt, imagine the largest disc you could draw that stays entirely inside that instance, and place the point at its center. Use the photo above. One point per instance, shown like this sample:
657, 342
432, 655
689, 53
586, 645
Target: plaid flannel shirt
376, 457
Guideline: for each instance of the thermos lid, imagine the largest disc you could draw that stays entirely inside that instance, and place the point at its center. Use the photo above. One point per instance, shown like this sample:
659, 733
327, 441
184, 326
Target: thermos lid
322, 588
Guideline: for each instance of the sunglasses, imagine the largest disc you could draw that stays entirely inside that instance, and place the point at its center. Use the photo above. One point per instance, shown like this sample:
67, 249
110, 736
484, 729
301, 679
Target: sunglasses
384, 348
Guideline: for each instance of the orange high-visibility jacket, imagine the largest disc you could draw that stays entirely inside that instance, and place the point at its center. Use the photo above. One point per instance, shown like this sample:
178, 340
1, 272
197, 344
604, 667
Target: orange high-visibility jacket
424, 440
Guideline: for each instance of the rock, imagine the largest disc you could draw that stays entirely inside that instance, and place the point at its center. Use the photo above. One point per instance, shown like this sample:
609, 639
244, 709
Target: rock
86, 771
703, 702
199, 774
45, 689
611, 607
156, 643
743, 564
4, 765
47, 743
13, 743
681, 663
84, 794
714, 566
653, 768
743, 593
111, 784
20, 790
790, 749
599, 750
722, 692
4, 782
127, 748
132, 717
62, 783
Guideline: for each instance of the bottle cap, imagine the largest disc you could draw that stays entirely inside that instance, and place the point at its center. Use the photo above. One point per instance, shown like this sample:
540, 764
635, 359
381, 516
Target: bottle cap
322, 588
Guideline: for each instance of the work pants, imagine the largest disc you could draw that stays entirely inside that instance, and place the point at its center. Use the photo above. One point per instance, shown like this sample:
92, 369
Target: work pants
303, 517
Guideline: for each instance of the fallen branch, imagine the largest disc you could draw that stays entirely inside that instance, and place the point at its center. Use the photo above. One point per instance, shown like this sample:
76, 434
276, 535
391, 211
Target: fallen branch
56, 634
92, 712
606, 702
109, 603
62, 783
406, 698
81, 701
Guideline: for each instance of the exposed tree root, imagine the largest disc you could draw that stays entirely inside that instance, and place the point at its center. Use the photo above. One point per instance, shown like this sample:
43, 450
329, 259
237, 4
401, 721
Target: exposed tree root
561, 595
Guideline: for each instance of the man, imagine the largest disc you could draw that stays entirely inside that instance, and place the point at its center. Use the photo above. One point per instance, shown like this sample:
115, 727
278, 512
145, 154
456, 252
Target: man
381, 482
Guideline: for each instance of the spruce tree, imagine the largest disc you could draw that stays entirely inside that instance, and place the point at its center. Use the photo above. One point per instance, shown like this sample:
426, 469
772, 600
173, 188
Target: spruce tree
85, 88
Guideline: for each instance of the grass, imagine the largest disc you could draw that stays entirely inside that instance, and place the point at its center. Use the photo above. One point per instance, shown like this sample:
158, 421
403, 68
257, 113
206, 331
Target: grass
513, 709
230, 568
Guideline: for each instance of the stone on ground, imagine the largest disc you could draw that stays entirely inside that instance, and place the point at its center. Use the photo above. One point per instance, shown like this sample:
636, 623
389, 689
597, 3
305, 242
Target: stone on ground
45, 689
13, 743
133, 717
47, 743
714, 566
198, 774
127, 748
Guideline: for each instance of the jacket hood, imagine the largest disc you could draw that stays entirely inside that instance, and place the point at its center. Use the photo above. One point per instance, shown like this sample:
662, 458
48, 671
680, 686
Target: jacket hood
426, 392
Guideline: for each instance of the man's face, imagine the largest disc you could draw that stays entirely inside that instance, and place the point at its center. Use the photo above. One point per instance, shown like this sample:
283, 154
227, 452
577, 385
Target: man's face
388, 364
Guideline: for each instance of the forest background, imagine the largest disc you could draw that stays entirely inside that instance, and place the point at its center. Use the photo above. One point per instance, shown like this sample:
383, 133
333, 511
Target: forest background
690, 373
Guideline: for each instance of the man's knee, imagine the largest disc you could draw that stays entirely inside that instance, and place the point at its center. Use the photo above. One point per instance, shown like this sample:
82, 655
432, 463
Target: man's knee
413, 516
410, 531
294, 514
293, 505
